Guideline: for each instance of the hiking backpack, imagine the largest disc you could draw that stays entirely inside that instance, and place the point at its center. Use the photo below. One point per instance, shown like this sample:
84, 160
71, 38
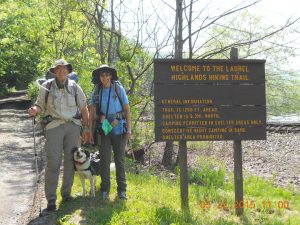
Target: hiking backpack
96, 91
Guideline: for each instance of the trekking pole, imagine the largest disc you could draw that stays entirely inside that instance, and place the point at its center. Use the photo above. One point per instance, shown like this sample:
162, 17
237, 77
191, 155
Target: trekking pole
36, 166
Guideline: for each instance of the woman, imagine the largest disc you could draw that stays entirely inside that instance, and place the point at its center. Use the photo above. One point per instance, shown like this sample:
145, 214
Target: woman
110, 106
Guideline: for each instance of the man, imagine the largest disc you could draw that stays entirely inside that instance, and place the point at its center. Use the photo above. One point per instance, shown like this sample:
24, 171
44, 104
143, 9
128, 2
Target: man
109, 103
63, 103
49, 75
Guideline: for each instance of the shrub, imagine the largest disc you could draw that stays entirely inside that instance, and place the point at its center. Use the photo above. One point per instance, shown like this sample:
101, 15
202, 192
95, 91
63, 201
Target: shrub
33, 91
211, 174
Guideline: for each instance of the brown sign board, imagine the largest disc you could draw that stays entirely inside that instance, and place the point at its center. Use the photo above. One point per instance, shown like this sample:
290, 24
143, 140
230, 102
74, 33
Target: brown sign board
209, 71
209, 100
220, 115
210, 134
209, 94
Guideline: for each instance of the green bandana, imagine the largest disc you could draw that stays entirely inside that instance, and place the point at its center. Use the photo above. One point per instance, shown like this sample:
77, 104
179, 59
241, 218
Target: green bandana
106, 127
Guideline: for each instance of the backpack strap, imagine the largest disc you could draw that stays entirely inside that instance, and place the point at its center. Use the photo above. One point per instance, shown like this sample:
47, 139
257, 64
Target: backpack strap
118, 92
75, 92
77, 116
96, 95
48, 86
96, 98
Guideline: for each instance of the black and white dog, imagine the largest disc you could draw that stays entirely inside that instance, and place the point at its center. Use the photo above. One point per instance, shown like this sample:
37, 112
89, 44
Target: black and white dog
87, 167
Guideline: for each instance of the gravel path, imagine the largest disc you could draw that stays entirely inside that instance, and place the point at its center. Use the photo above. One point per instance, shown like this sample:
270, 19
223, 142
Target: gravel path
23, 200
17, 165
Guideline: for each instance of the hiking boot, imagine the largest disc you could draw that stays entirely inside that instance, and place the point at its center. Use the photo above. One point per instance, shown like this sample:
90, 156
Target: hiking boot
67, 198
51, 206
105, 195
122, 195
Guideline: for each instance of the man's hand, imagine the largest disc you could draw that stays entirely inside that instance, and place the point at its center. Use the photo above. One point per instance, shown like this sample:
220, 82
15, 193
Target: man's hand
91, 138
85, 136
128, 135
33, 111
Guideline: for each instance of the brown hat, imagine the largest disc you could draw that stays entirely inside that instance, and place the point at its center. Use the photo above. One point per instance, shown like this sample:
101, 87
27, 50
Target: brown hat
61, 62
105, 69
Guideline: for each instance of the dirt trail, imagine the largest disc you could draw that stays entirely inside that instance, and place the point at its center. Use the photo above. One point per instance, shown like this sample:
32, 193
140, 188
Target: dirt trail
17, 183
21, 200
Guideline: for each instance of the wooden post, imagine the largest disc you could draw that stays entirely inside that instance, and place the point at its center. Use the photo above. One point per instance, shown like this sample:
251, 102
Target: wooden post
238, 178
238, 163
184, 192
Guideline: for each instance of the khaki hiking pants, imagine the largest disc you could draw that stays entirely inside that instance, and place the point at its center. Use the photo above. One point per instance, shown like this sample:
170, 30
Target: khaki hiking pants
59, 143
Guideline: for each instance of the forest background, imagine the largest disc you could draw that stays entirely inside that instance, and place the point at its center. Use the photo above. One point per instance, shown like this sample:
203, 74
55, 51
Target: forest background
89, 33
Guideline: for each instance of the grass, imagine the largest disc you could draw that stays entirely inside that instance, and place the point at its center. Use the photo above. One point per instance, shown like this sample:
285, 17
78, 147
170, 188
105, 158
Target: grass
156, 200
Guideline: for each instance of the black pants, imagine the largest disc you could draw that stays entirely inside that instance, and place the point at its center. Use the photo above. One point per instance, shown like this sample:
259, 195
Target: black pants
118, 143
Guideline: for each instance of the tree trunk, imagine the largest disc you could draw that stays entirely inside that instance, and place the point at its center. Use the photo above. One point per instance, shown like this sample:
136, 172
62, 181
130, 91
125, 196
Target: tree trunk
168, 154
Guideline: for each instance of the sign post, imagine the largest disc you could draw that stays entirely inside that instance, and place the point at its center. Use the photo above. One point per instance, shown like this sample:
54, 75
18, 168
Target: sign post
184, 191
238, 163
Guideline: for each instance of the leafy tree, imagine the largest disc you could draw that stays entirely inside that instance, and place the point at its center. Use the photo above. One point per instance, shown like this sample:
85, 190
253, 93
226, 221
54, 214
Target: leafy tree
212, 36
259, 40
20, 42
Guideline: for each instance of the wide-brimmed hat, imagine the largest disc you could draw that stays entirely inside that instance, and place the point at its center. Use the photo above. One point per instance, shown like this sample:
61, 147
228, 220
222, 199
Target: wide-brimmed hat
105, 69
61, 62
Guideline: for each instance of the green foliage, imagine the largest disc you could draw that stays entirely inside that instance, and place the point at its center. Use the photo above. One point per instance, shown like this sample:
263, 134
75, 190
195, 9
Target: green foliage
255, 186
282, 86
156, 200
33, 90
283, 93
21, 44
64, 220
143, 133
210, 174
3, 89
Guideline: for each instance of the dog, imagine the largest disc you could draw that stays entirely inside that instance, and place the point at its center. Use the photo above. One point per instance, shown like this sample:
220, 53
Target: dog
87, 167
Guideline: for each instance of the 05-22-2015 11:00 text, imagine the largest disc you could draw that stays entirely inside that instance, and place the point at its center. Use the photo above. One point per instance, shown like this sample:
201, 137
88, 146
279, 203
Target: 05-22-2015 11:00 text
248, 204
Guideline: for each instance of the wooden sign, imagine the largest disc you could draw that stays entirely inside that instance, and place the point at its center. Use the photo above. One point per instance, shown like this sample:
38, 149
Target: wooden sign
209, 100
